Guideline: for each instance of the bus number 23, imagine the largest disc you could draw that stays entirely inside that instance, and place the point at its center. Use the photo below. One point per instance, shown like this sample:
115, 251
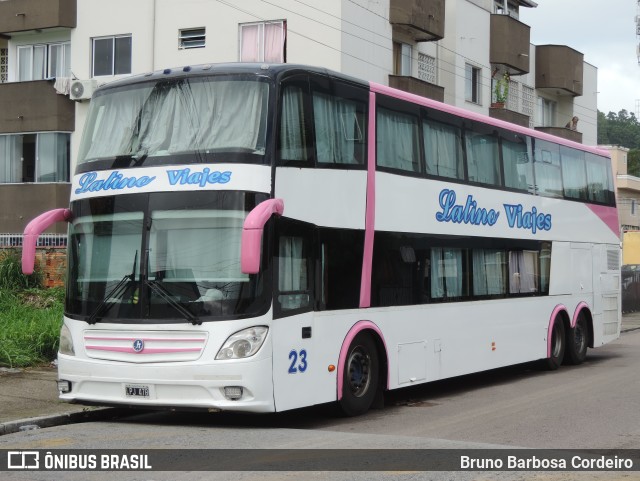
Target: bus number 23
298, 361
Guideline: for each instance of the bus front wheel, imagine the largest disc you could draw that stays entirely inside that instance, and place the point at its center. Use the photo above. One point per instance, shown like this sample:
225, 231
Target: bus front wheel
360, 376
577, 341
557, 345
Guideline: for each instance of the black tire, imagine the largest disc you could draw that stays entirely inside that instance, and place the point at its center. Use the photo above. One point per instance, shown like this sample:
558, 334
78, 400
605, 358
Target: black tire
558, 343
360, 376
577, 342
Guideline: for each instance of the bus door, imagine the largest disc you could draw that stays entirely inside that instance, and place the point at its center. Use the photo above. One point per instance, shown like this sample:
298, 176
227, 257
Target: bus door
293, 305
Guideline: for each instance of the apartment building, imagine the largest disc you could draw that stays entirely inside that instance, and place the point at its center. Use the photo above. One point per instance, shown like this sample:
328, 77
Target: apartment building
475, 54
35, 122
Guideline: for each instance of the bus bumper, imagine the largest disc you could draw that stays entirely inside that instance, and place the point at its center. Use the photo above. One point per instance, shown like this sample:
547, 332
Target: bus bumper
177, 386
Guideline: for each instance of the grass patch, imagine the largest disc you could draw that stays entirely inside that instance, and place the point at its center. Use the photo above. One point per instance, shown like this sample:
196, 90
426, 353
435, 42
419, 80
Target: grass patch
30, 317
11, 276
29, 326
30, 322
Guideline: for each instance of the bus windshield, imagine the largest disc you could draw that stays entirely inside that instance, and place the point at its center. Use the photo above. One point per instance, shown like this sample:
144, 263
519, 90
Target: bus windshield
201, 117
143, 257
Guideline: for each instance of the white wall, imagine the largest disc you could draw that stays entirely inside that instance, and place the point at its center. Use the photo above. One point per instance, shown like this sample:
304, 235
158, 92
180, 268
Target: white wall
467, 37
586, 106
367, 40
97, 18
313, 37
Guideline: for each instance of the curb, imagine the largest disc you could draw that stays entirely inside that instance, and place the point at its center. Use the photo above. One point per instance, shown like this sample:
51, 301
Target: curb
629, 329
96, 414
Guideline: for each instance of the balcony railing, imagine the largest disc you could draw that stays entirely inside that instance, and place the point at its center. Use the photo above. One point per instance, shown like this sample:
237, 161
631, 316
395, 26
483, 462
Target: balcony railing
24, 15
416, 86
563, 132
509, 116
518, 108
34, 107
423, 20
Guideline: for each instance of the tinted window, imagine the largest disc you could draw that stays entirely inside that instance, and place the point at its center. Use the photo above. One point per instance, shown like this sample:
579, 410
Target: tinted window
340, 264
547, 169
574, 176
398, 141
599, 179
483, 158
339, 129
443, 149
517, 162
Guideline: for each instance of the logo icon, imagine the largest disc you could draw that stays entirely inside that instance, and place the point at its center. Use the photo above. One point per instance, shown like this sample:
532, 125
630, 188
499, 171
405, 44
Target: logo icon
23, 460
138, 345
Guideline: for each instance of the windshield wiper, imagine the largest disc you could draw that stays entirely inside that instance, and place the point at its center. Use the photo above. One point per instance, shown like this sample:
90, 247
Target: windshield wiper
115, 293
166, 295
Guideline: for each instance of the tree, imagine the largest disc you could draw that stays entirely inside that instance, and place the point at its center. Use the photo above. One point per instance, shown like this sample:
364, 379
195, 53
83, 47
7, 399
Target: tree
633, 162
621, 129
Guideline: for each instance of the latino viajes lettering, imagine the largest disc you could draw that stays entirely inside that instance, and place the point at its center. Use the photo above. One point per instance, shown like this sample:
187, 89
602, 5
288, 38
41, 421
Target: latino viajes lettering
470, 213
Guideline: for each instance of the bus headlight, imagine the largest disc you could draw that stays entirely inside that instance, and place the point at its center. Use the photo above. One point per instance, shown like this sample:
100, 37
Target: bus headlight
66, 342
243, 343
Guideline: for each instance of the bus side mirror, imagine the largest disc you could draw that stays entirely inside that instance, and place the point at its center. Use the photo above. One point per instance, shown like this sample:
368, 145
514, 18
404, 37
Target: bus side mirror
33, 230
252, 230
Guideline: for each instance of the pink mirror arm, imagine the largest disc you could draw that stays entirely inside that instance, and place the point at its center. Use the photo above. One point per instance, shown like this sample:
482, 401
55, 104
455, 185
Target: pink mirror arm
33, 230
252, 230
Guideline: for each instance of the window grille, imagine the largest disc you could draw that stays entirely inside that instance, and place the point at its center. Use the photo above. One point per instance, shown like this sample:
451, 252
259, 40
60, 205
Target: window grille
427, 68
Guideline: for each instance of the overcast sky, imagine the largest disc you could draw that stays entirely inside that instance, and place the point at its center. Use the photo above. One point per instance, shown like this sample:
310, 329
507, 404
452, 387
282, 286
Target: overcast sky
605, 32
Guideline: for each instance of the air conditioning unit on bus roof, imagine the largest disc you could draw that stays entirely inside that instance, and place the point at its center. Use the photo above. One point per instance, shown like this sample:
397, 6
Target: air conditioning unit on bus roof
82, 89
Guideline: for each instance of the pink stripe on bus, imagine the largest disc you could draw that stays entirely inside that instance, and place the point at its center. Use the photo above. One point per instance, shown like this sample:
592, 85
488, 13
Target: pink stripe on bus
145, 339
144, 351
554, 316
579, 308
342, 359
608, 215
370, 213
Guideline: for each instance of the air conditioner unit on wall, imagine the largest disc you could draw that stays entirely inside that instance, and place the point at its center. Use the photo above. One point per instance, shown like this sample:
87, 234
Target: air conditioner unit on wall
82, 89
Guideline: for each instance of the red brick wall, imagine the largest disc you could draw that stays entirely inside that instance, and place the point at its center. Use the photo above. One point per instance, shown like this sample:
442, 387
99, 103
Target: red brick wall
53, 263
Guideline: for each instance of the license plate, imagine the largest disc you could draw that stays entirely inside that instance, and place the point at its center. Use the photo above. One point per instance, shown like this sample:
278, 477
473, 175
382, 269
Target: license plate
137, 391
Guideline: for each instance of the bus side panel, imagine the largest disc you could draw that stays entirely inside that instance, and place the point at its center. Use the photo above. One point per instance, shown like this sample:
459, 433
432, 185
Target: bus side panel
606, 310
295, 362
560, 282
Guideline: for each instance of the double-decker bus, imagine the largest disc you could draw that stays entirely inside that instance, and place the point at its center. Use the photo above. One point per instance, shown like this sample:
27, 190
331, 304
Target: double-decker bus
267, 237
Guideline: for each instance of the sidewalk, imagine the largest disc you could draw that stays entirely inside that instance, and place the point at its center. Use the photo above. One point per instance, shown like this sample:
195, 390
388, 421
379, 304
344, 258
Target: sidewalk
29, 397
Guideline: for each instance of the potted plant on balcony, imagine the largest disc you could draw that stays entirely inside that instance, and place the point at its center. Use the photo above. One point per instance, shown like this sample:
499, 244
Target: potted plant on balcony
501, 92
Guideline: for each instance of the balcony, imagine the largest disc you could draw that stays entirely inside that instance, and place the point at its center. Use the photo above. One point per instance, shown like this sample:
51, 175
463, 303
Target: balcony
423, 20
416, 86
34, 107
560, 69
24, 15
509, 116
563, 132
509, 46
19, 203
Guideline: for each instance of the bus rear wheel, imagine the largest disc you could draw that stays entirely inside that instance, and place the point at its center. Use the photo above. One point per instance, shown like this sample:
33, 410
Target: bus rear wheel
577, 341
557, 346
360, 376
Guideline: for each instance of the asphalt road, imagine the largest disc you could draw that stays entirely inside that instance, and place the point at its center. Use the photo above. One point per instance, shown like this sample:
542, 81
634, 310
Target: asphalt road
594, 405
